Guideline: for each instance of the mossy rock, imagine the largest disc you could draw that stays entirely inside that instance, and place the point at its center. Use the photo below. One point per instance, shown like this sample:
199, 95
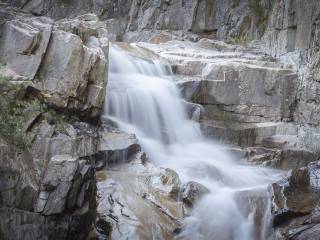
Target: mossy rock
15, 112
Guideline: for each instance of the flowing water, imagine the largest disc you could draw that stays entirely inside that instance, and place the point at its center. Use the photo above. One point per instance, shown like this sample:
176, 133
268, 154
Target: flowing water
143, 99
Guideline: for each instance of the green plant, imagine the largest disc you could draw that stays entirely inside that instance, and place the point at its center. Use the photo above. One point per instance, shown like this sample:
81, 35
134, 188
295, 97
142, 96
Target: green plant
61, 119
15, 112
242, 40
2, 63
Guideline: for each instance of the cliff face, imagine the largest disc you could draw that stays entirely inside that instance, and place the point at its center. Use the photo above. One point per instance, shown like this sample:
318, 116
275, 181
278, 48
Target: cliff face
53, 77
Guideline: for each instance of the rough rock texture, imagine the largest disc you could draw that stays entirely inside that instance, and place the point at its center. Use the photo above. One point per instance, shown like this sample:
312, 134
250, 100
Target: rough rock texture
295, 204
48, 189
192, 193
64, 61
54, 198
116, 146
135, 199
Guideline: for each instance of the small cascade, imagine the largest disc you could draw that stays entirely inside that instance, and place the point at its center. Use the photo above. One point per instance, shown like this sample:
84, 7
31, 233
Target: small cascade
143, 99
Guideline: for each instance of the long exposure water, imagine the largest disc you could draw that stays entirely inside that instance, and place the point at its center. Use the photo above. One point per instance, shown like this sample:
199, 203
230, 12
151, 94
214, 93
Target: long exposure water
143, 99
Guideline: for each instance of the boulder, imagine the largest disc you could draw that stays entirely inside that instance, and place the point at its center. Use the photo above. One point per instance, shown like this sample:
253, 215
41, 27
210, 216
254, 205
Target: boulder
116, 146
135, 201
295, 203
192, 192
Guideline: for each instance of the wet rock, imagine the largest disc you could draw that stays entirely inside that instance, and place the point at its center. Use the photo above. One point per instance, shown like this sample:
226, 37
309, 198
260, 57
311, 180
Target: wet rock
166, 181
264, 156
239, 134
135, 201
116, 146
295, 201
292, 158
194, 111
192, 192
263, 105
255, 204
114, 140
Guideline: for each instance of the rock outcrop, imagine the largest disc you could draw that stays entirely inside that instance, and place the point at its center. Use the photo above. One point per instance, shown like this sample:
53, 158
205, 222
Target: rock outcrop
135, 199
63, 62
58, 68
295, 204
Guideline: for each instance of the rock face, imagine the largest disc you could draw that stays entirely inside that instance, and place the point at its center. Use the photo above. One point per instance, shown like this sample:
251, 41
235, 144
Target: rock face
29, 205
68, 70
135, 199
295, 204
48, 189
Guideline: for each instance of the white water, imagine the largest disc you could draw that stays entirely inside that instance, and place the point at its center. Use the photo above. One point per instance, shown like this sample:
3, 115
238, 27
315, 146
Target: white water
143, 99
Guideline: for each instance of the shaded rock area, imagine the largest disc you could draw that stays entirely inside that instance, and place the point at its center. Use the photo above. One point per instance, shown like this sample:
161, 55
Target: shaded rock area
44, 197
295, 204
58, 70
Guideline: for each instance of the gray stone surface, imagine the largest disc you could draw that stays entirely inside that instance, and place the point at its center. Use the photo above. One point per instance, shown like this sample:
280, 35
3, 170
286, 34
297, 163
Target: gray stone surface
23, 43
48, 189
192, 192
135, 201
65, 60
18, 179
295, 201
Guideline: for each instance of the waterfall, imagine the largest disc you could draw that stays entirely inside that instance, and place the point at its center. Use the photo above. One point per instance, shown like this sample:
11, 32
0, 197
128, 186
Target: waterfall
142, 98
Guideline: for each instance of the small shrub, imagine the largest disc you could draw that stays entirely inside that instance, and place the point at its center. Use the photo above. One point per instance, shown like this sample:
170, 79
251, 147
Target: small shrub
60, 119
243, 40
14, 113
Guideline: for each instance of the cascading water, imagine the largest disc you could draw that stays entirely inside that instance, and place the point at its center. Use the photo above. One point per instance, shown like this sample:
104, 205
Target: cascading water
143, 99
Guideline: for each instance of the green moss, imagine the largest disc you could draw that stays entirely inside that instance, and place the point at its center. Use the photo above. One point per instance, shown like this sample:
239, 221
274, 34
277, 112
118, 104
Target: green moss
243, 40
14, 113
2, 63
60, 119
